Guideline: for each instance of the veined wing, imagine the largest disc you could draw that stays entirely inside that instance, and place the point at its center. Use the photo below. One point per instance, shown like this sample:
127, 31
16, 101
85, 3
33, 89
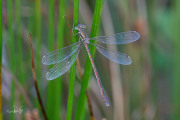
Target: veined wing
61, 67
61, 54
114, 56
119, 38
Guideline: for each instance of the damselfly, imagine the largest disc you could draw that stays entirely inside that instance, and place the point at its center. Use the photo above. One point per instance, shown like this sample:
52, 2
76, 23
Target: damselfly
65, 57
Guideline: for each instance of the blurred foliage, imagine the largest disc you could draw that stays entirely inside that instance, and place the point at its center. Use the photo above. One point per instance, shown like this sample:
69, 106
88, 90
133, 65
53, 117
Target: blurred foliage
150, 85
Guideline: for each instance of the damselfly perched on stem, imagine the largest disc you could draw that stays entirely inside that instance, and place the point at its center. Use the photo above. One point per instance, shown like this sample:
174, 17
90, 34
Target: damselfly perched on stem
65, 57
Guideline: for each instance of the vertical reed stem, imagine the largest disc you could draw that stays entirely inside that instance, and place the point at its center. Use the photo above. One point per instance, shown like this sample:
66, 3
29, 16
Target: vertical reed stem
73, 68
11, 48
88, 66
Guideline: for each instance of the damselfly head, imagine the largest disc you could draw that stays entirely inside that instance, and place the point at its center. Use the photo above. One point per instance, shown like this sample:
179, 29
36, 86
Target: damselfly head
83, 25
80, 26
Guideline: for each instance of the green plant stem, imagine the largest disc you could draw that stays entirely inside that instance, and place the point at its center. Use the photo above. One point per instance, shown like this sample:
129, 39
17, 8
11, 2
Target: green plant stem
88, 66
38, 36
38, 40
19, 51
58, 83
37, 25
11, 48
176, 75
35, 83
51, 85
73, 68
152, 37
19, 46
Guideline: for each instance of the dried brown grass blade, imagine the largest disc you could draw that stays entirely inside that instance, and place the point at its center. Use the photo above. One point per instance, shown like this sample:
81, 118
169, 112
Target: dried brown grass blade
35, 82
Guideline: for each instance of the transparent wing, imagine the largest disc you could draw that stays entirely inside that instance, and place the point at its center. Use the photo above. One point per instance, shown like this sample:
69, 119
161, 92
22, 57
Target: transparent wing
61, 67
119, 38
61, 54
114, 56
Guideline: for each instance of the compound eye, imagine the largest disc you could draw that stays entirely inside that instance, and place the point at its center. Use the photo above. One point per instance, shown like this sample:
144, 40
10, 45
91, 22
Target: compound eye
83, 25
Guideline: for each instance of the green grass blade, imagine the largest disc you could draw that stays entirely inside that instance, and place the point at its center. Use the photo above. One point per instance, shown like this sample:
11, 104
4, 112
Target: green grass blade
73, 68
37, 26
88, 66
19, 46
71, 92
38, 35
176, 75
12, 49
58, 83
50, 103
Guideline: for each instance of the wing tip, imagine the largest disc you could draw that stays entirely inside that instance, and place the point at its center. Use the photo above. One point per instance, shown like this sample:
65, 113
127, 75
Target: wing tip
43, 60
129, 61
49, 78
137, 34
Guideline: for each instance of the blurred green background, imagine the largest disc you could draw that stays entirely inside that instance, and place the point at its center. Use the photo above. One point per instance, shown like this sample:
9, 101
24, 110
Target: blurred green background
148, 89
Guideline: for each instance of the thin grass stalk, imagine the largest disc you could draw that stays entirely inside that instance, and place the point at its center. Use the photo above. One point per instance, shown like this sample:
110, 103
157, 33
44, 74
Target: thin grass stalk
145, 80
71, 92
124, 9
152, 34
19, 48
176, 75
90, 106
37, 25
87, 95
32, 19
38, 34
80, 74
36, 84
50, 90
19, 41
0, 57
115, 73
73, 68
88, 66
51, 24
38, 37
58, 83
11, 48
19, 45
